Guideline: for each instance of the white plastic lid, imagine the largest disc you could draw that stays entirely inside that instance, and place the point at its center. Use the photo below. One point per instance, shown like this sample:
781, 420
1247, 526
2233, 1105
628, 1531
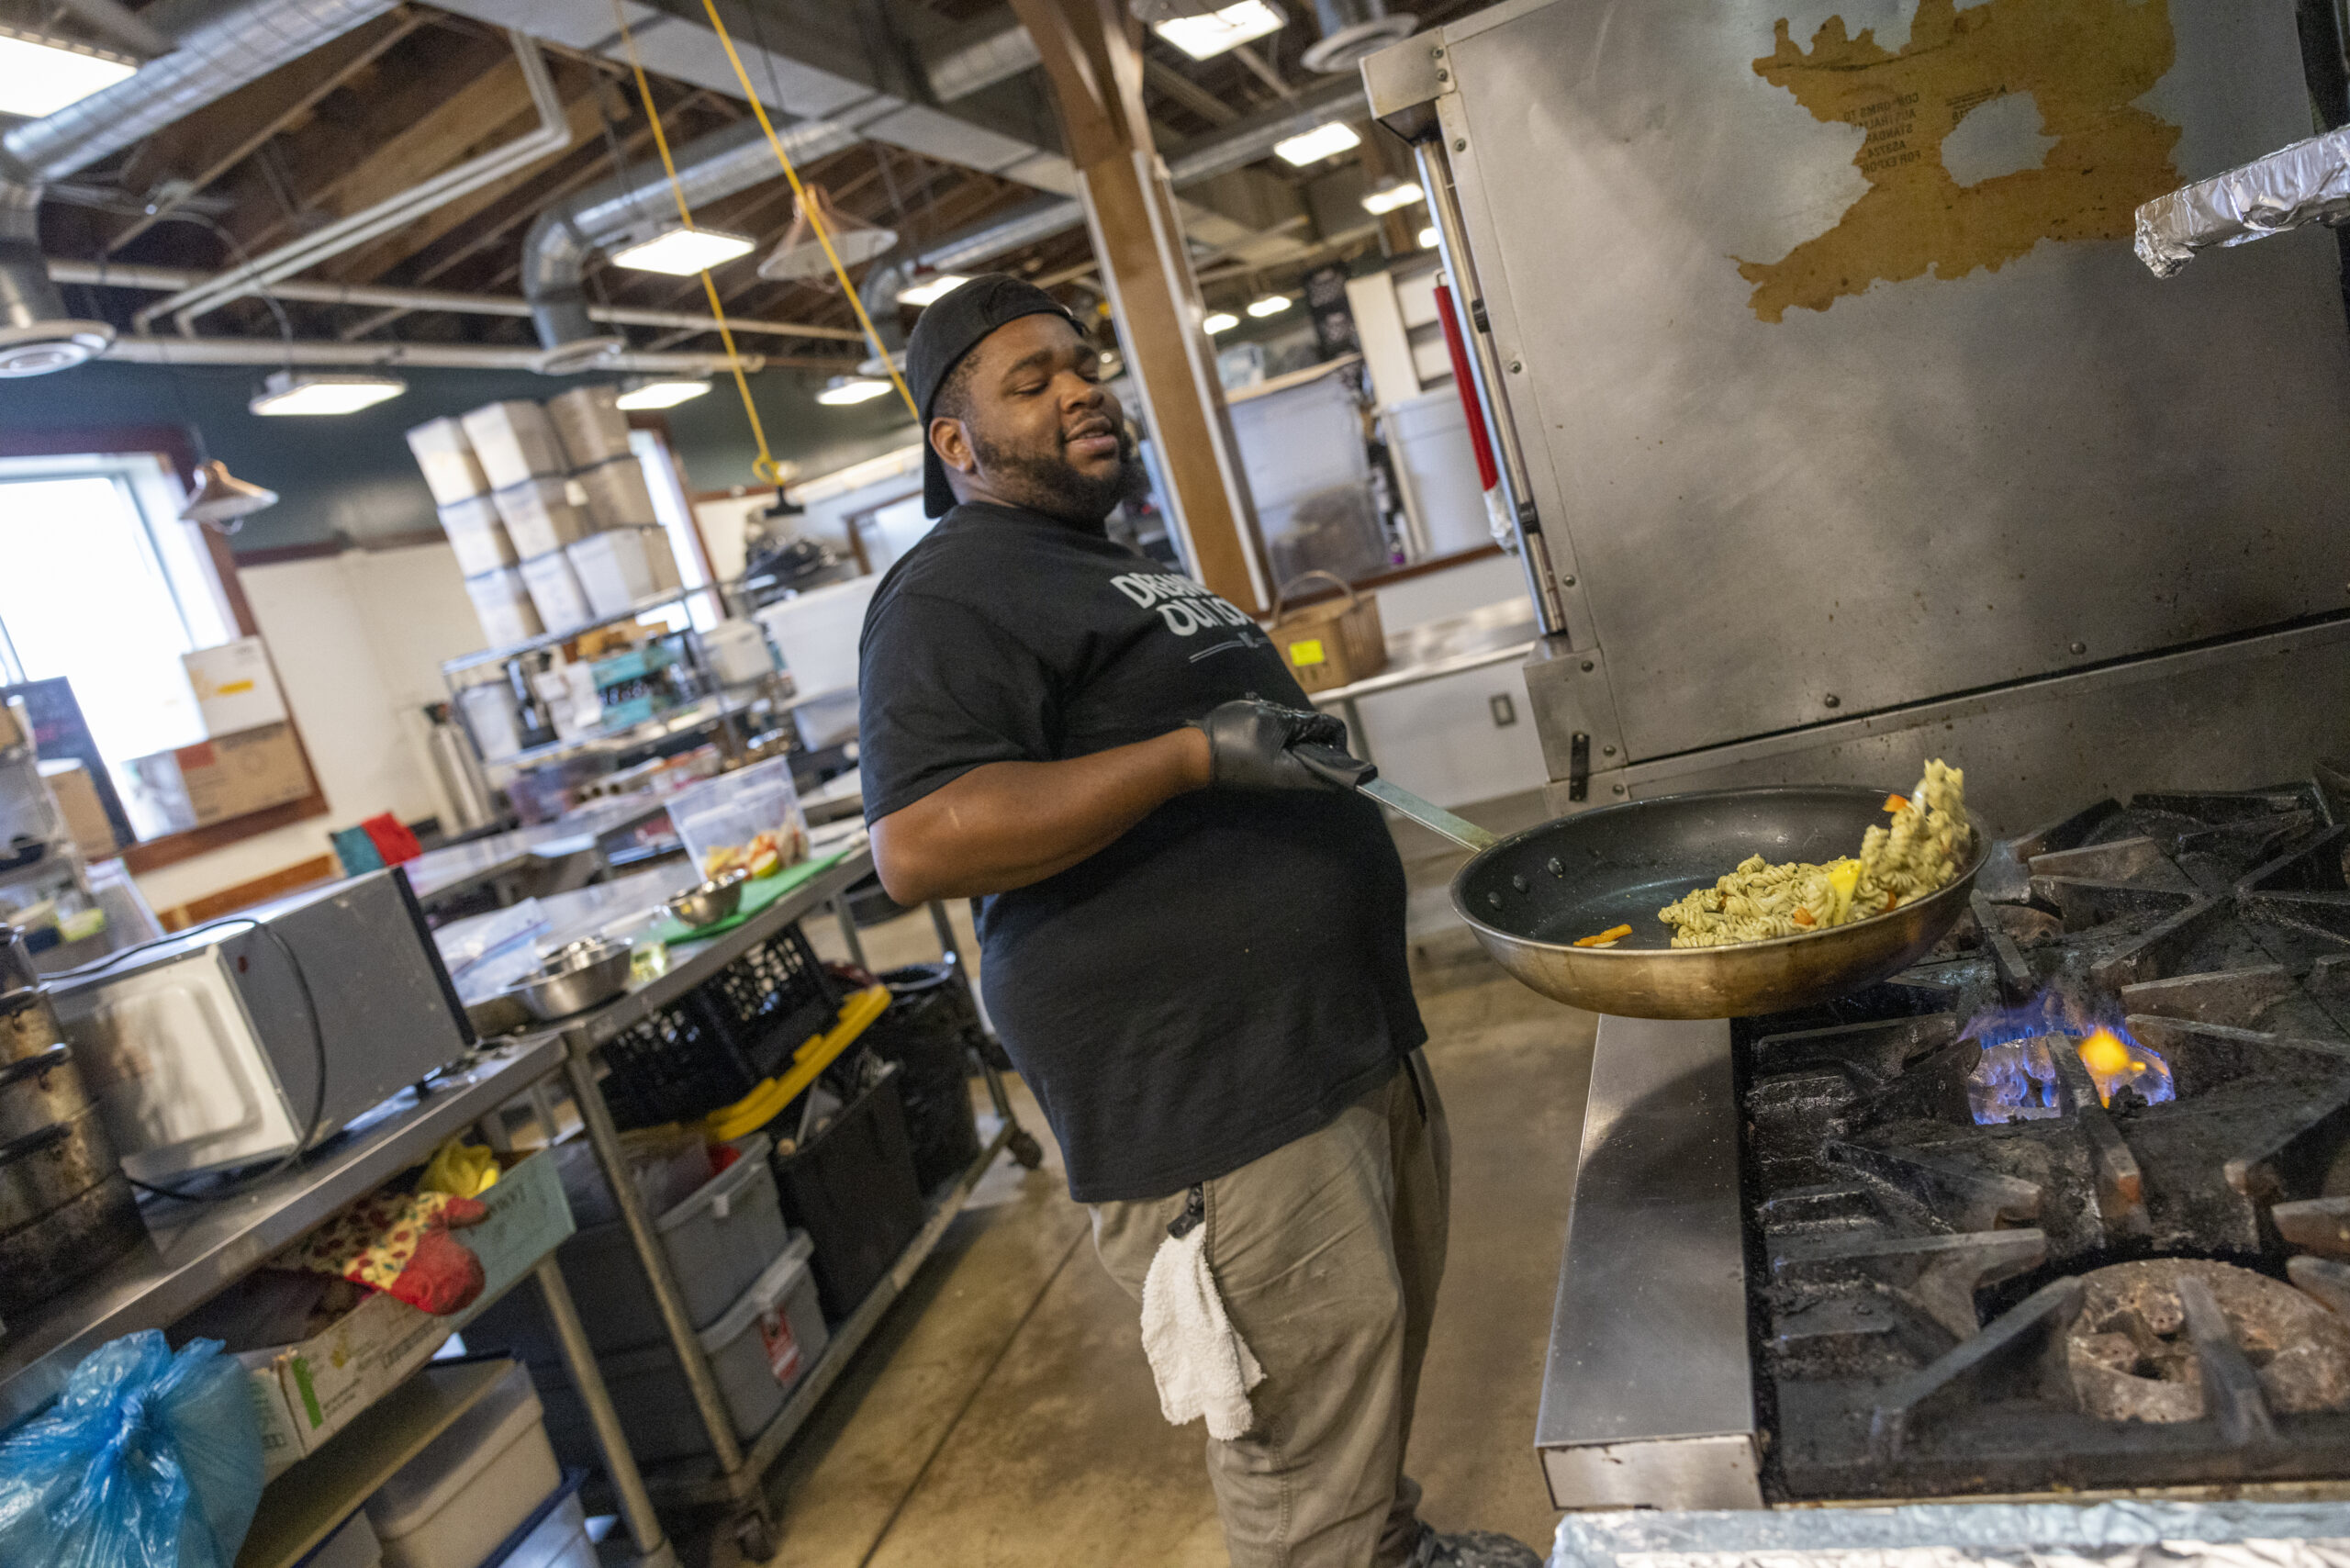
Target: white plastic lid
422, 1487
776, 1282
721, 1191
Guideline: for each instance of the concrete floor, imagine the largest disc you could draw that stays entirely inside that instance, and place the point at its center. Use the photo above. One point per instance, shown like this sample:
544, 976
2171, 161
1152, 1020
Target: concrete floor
1003, 1413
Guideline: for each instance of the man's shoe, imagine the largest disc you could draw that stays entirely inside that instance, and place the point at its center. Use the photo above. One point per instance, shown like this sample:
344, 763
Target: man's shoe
1472, 1549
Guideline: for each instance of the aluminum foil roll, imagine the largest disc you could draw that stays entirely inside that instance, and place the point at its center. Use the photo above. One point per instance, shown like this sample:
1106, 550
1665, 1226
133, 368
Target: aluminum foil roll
2306, 182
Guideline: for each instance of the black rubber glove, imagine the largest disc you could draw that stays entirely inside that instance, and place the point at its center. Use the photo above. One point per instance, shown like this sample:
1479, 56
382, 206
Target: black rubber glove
1249, 743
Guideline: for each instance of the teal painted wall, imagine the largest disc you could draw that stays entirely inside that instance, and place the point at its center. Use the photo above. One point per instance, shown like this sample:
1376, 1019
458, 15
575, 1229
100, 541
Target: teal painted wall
350, 480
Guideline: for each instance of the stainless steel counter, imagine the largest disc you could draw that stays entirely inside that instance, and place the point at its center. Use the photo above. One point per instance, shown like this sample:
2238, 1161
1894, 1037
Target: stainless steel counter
1648, 1399
441, 873
1490, 635
195, 1250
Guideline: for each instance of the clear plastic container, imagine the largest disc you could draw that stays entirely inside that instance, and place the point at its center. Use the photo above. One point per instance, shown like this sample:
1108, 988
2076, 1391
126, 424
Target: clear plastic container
749, 818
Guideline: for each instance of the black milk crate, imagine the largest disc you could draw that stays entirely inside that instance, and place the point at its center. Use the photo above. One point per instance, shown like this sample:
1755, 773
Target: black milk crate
722, 1039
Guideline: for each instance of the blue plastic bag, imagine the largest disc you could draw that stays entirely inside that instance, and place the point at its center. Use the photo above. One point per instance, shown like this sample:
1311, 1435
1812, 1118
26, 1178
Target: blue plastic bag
147, 1460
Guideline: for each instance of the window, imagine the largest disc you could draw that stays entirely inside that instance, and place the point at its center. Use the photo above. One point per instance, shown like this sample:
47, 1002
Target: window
100, 582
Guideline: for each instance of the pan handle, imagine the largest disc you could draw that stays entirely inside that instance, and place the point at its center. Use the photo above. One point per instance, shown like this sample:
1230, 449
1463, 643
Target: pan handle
1349, 772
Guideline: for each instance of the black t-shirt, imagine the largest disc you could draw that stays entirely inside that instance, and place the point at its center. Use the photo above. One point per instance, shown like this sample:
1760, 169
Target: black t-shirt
1227, 976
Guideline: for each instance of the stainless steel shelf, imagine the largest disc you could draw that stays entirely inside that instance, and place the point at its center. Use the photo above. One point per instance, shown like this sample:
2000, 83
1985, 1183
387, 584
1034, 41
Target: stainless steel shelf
551, 639
195, 1250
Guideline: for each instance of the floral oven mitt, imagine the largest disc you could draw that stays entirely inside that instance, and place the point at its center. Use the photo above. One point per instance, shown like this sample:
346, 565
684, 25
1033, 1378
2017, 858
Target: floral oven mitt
400, 1244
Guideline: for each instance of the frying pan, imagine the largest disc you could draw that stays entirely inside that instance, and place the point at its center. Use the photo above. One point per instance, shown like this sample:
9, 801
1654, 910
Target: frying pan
1528, 896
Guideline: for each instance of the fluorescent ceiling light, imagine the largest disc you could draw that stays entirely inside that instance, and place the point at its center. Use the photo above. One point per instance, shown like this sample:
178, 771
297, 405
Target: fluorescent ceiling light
1322, 142
1220, 321
681, 252
1270, 304
1428, 238
1204, 37
660, 394
286, 393
1388, 198
844, 389
931, 288
40, 76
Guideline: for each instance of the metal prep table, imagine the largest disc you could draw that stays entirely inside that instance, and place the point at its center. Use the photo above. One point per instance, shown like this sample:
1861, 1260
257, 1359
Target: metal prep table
195, 1250
1491, 635
566, 852
732, 1478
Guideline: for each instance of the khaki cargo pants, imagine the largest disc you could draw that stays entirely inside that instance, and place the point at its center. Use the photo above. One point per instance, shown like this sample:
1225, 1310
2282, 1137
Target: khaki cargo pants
1327, 1252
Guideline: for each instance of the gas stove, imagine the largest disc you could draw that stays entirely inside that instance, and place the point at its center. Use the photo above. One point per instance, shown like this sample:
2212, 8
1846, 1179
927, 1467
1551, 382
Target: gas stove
2062, 1209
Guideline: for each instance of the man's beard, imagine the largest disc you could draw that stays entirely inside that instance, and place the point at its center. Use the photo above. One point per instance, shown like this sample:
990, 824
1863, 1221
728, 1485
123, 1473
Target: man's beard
1049, 485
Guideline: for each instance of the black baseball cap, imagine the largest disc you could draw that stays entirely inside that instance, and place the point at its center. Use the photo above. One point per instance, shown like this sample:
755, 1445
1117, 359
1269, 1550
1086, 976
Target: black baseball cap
950, 327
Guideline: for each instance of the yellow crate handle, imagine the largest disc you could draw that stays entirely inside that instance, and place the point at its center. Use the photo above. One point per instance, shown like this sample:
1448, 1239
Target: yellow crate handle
762, 1105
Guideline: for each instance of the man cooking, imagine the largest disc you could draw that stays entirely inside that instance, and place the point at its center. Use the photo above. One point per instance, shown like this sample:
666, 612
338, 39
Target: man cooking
1193, 946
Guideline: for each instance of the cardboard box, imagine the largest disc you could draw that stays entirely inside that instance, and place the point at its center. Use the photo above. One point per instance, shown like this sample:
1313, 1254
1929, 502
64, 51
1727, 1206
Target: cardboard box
503, 605
588, 422
235, 776
451, 470
320, 1385
235, 687
618, 495
76, 795
515, 440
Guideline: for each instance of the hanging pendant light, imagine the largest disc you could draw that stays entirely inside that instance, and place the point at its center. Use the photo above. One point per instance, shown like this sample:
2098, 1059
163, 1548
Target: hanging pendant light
801, 257
224, 497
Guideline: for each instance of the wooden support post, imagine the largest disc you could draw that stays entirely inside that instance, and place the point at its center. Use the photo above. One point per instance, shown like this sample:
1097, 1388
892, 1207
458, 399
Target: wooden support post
1092, 53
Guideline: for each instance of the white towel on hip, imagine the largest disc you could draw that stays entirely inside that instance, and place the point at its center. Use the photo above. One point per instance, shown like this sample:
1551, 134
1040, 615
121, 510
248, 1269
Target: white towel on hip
1202, 1366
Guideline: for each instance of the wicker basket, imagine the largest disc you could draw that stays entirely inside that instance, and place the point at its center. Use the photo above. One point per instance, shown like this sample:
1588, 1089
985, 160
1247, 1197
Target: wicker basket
1331, 643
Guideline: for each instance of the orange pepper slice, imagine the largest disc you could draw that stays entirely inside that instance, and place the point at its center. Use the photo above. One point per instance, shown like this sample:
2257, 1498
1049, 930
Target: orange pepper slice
1801, 917
1897, 803
1613, 934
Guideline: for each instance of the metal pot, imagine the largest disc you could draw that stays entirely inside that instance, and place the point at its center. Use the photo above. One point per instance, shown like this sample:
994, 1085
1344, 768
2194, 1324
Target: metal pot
28, 1024
47, 1169
39, 1091
40, 1260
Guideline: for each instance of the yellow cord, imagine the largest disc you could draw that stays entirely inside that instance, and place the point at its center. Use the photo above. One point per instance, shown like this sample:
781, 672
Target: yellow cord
764, 466
815, 221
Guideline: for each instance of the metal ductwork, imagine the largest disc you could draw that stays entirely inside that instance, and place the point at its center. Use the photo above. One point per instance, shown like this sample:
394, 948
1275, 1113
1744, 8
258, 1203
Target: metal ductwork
1352, 29
216, 49
219, 48
638, 202
36, 335
1235, 147
970, 67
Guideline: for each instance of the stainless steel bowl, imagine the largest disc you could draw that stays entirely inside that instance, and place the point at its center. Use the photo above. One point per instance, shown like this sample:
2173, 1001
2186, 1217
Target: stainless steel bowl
711, 902
585, 974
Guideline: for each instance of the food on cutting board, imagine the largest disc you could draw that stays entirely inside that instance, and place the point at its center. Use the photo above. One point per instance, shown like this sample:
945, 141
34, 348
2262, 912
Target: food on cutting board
764, 855
1916, 853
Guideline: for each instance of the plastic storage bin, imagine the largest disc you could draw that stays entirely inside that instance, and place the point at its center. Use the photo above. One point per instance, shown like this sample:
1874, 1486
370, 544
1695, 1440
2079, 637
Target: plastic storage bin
452, 472
540, 515
452, 1504
618, 495
851, 1189
723, 820
514, 441
1429, 438
930, 1031
737, 652
502, 603
718, 1242
758, 1350
713, 1046
816, 632
622, 567
588, 422
555, 1535
554, 589
353, 1546
479, 539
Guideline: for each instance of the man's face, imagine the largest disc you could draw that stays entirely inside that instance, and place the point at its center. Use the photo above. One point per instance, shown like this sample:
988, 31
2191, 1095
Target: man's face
1037, 428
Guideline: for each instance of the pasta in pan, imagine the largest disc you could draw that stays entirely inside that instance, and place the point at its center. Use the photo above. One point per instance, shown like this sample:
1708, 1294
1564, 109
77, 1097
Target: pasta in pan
1917, 852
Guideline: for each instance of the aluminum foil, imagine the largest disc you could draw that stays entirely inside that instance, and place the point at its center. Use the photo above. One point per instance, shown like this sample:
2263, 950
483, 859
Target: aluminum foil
1965, 1535
2306, 182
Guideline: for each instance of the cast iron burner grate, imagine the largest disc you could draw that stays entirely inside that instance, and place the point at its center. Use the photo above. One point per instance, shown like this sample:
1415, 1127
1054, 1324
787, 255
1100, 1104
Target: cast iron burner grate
2107, 1295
